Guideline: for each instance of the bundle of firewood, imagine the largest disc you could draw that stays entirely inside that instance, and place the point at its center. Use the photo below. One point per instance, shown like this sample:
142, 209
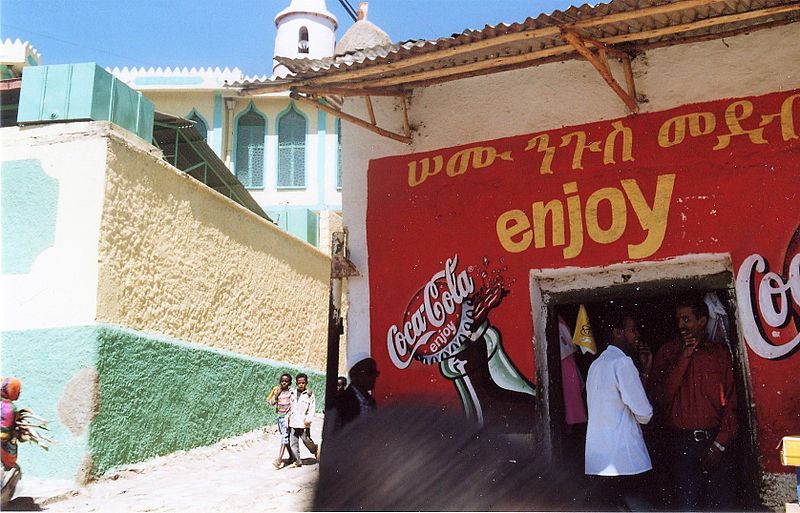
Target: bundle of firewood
28, 426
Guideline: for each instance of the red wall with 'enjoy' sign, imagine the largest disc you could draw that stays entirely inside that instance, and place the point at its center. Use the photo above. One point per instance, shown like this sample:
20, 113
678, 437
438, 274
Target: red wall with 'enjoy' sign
717, 177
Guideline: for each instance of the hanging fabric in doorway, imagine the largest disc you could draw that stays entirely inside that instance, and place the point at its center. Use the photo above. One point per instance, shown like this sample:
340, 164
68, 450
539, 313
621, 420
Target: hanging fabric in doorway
583, 336
717, 327
571, 383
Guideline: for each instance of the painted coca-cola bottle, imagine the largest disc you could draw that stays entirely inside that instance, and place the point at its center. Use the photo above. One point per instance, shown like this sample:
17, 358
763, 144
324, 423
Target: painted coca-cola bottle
492, 390
447, 323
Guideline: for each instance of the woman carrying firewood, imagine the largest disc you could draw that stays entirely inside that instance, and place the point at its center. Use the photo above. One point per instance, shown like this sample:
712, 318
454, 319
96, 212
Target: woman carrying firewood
17, 426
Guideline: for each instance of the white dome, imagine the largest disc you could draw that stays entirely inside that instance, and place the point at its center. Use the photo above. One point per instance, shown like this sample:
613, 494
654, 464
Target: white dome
363, 34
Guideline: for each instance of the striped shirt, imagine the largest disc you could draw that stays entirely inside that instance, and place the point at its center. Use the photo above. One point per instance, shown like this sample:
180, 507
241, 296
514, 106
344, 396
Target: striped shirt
284, 402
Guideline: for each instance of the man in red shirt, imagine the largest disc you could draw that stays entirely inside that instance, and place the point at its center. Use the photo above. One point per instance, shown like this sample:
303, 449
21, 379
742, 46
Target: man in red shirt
694, 395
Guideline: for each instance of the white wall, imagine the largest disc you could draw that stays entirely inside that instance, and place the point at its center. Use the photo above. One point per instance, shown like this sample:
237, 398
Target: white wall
61, 287
359, 146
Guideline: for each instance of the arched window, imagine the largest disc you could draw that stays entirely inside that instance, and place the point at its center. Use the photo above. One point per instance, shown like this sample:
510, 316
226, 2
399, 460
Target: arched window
249, 167
199, 125
339, 153
292, 149
302, 41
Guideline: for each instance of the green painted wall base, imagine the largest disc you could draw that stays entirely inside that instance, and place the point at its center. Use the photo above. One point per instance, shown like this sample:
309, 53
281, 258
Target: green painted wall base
156, 395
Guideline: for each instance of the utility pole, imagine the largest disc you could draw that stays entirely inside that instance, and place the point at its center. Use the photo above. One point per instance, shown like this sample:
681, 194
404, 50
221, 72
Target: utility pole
341, 268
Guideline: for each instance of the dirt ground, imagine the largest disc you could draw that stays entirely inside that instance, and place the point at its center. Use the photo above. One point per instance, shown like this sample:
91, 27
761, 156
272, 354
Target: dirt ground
233, 475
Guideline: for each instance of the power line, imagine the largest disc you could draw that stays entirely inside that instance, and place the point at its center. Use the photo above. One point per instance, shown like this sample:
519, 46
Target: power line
39, 34
349, 9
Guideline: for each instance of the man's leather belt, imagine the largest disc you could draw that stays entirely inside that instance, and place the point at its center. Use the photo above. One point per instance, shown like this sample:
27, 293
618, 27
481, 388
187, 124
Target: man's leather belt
697, 435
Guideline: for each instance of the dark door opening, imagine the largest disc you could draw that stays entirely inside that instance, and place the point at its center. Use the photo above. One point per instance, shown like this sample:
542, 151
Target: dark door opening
653, 301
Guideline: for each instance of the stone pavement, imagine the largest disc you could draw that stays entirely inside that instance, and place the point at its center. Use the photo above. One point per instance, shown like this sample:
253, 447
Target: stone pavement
234, 475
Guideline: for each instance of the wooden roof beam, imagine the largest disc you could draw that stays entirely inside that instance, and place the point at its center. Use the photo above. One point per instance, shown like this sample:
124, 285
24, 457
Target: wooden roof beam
462, 69
300, 85
261, 88
344, 91
405, 139
701, 24
601, 66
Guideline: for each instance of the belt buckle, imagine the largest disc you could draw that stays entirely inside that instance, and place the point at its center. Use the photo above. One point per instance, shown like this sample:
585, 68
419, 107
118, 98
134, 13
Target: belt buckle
699, 435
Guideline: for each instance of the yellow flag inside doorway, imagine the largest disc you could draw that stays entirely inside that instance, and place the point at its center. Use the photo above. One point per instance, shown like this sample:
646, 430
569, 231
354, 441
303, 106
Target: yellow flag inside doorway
583, 336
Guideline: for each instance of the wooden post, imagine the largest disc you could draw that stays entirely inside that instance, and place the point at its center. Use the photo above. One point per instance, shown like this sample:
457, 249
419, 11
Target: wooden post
406, 125
352, 119
626, 65
341, 268
603, 55
576, 42
371, 111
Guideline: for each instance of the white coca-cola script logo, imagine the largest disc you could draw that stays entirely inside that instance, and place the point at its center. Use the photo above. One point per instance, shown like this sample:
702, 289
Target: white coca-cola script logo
437, 320
768, 300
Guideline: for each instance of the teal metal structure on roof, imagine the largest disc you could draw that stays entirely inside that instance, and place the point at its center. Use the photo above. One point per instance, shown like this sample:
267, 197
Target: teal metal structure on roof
80, 92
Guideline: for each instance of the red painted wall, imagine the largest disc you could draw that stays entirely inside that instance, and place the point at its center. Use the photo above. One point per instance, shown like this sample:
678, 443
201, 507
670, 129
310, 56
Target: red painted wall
717, 177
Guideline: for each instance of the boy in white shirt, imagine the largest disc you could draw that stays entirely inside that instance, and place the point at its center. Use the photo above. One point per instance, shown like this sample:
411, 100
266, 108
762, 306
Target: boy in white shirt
300, 417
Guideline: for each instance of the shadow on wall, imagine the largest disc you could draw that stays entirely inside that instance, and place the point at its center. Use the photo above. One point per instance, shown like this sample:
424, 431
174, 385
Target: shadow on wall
415, 457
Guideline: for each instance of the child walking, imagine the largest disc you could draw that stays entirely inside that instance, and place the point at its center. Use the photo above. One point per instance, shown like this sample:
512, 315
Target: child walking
300, 417
281, 397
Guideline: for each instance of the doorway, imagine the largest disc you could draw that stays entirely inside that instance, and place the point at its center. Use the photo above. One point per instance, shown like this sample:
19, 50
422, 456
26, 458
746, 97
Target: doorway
650, 290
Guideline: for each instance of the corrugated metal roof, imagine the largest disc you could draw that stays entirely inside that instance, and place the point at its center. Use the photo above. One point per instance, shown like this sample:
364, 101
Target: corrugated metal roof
630, 25
186, 149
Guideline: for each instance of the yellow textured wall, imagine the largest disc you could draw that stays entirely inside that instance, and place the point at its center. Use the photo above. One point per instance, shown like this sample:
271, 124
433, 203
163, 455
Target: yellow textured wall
179, 259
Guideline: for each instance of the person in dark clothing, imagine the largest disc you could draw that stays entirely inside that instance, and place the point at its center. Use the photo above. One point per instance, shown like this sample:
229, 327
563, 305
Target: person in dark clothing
357, 398
341, 384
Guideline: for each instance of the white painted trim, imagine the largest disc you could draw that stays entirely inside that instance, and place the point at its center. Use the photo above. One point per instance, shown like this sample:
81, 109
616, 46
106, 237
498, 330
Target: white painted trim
566, 279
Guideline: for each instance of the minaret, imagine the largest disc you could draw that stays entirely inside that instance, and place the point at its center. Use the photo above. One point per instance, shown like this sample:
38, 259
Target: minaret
305, 29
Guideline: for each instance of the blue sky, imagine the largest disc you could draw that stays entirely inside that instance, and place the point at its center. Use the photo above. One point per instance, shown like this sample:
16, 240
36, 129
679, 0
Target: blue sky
195, 33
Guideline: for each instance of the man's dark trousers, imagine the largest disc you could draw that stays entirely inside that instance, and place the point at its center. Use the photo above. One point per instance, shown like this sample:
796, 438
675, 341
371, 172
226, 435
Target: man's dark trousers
696, 489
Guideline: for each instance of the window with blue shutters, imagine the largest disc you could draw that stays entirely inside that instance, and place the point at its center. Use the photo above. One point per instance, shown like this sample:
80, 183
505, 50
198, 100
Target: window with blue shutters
292, 150
250, 132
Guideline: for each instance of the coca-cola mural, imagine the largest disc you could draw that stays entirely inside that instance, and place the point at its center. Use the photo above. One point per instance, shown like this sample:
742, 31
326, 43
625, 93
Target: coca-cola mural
453, 234
770, 306
447, 323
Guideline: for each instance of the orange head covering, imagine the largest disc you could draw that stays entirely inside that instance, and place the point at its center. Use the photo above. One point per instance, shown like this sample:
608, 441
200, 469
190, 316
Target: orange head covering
11, 388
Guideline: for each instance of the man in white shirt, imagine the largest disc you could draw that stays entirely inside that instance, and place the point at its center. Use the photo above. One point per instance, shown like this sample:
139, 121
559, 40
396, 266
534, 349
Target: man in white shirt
617, 404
